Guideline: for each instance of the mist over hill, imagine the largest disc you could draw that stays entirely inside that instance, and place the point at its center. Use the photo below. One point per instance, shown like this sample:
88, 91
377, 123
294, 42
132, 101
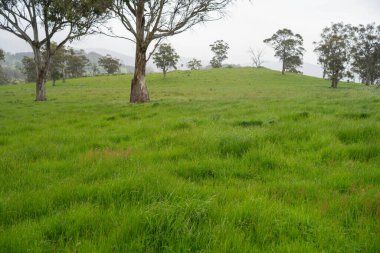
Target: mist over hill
308, 69
12, 65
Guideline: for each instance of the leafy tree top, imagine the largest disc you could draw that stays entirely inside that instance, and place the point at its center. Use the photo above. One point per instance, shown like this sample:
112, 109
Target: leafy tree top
220, 49
166, 58
111, 65
288, 48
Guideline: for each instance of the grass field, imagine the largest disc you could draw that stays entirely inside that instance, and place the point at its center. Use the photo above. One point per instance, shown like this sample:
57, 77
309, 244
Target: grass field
230, 160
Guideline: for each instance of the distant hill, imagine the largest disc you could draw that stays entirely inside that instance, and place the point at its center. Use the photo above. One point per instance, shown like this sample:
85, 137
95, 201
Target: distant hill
17, 57
307, 69
12, 64
125, 59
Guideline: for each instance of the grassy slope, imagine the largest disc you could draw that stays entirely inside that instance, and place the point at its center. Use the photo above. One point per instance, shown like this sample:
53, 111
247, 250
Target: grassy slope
232, 160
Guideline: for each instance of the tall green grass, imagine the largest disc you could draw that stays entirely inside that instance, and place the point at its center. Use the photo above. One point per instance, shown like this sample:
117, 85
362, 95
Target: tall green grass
230, 160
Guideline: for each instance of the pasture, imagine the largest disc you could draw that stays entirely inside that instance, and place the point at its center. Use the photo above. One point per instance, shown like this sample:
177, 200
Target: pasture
228, 160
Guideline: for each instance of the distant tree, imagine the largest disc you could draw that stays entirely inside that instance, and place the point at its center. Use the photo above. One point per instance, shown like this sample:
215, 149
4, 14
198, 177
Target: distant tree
149, 21
58, 63
94, 69
38, 22
257, 57
334, 51
3, 78
111, 65
194, 64
29, 69
165, 58
288, 48
365, 52
76, 63
220, 49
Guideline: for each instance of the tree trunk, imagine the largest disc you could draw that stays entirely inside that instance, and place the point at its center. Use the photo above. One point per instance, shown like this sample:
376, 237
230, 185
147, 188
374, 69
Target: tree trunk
334, 84
63, 75
139, 90
283, 67
42, 68
40, 86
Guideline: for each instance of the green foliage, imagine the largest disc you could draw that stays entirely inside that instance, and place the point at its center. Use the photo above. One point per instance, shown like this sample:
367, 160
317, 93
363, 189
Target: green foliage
220, 49
223, 160
76, 63
3, 78
165, 58
365, 52
194, 64
334, 51
95, 69
288, 48
29, 69
111, 65
58, 63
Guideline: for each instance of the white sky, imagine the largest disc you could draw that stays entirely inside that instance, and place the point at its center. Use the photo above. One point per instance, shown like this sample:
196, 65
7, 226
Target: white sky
246, 25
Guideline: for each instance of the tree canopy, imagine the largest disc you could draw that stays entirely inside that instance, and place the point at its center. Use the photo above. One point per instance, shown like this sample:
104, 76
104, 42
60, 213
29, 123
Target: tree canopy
148, 21
194, 64
111, 65
365, 51
288, 48
334, 51
165, 58
220, 49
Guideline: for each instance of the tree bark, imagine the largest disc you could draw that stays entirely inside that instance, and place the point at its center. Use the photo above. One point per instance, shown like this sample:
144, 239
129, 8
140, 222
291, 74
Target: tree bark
283, 67
139, 90
41, 86
41, 70
63, 75
334, 84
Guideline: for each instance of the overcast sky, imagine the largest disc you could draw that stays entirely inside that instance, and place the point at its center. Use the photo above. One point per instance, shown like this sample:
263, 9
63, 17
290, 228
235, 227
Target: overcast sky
246, 25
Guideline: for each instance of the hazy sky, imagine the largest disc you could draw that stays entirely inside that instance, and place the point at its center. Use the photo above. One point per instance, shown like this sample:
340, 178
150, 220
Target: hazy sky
246, 25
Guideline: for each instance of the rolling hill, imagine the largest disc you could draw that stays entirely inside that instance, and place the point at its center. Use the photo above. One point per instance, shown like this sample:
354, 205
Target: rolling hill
228, 160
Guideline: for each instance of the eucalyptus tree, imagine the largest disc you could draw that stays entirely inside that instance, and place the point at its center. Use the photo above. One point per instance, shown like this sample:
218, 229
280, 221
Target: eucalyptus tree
58, 63
149, 21
220, 50
3, 78
29, 69
288, 48
365, 52
194, 64
165, 58
76, 63
110, 64
38, 22
334, 51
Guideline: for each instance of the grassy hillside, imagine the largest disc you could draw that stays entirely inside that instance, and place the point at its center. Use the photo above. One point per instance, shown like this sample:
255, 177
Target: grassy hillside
231, 160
